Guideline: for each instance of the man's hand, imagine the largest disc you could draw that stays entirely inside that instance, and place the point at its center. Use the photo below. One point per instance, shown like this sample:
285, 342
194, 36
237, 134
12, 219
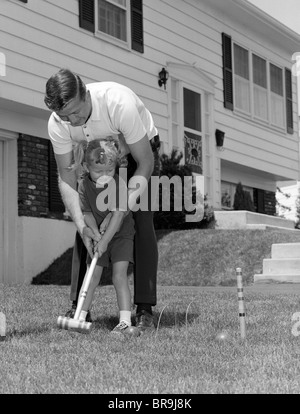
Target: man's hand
89, 237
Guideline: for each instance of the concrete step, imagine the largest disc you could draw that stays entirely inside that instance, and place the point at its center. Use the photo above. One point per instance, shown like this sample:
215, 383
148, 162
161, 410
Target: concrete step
281, 266
277, 278
242, 219
285, 250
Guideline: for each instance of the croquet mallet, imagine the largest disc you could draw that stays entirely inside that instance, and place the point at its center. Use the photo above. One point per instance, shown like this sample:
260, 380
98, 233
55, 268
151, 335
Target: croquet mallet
74, 324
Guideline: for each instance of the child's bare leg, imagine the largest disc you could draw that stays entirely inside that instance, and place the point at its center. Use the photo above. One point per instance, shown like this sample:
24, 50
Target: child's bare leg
120, 282
91, 290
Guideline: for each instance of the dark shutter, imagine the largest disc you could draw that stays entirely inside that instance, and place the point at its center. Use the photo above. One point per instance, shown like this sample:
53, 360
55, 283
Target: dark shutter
87, 14
55, 202
137, 31
289, 101
227, 71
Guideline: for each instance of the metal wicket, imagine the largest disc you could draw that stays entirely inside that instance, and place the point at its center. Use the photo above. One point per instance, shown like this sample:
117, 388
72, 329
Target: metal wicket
241, 302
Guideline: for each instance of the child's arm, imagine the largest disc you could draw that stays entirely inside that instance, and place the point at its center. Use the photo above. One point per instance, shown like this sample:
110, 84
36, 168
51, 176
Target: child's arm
113, 226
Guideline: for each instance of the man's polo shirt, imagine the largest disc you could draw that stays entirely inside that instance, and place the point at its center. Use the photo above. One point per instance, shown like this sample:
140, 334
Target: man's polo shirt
116, 110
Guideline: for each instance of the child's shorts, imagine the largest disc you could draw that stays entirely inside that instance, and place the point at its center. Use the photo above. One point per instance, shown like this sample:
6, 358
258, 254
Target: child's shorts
119, 250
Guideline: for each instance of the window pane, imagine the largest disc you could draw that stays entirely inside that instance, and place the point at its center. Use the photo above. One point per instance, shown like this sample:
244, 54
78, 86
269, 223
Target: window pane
192, 109
226, 190
242, 94
260, 102
277, 110
276, 80
259, 71
112, 20
241, 62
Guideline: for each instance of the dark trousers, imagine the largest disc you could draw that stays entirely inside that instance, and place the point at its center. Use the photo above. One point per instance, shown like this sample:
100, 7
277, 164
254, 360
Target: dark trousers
145, 247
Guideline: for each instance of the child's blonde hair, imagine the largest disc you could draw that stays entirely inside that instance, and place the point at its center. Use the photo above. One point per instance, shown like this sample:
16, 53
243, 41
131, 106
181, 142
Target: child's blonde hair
104, 150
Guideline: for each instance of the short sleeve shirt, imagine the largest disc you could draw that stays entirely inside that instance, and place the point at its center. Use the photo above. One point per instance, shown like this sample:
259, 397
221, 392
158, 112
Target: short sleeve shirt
116, 110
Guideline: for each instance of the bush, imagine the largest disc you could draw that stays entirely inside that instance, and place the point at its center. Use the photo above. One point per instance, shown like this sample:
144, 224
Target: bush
170, 167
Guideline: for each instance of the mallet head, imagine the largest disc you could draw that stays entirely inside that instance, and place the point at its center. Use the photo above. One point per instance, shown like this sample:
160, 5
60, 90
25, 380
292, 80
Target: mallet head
71, 324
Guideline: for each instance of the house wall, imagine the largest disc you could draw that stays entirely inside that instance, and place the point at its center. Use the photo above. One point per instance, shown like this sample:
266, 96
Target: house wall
39, 37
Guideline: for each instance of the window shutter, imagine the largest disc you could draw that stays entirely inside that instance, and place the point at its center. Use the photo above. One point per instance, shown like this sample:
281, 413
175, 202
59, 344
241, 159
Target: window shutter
227, 71
289, 101
137, 31
87, 15
55, 202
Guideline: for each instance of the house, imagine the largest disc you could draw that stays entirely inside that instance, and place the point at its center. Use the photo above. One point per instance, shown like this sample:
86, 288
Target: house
229, 79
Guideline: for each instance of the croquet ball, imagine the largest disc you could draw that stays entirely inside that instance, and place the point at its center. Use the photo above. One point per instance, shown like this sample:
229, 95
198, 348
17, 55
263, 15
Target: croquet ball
223, 336
132, 331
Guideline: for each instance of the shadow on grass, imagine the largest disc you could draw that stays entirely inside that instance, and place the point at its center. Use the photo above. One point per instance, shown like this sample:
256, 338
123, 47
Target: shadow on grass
167, 319
59, 272
27, 331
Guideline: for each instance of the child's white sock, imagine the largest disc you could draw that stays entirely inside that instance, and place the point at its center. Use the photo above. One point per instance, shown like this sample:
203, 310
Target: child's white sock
82, 316
125, 316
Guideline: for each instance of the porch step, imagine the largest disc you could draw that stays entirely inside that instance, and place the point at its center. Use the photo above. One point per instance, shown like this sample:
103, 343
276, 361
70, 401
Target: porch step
284, 265
281, 266
286, 250
242, 219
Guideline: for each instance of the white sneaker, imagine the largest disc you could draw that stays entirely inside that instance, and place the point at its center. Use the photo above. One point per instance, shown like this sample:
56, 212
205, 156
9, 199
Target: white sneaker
120, 328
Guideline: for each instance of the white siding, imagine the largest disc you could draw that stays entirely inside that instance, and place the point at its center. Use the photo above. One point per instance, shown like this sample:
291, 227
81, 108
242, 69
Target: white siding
41, 36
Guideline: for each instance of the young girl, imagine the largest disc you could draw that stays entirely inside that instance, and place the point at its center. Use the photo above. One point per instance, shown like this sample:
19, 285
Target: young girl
99, 159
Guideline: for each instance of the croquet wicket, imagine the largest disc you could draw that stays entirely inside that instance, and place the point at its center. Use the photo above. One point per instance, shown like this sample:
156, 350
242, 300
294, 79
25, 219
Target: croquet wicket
241, 302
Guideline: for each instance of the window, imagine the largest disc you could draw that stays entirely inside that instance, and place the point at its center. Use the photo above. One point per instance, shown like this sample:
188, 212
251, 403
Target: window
192, 130
277, 101
112, 18
119, 21
242, 82
260, 93
228, 192
256, 87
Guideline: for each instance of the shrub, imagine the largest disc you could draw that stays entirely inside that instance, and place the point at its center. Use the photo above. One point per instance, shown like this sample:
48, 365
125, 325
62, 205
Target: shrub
170, 167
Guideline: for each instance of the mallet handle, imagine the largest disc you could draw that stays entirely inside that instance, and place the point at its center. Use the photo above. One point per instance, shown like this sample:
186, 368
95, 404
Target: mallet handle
85, 285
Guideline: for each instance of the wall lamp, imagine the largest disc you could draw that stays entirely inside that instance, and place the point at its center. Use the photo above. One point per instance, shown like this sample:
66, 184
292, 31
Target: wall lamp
163, 77
220, 136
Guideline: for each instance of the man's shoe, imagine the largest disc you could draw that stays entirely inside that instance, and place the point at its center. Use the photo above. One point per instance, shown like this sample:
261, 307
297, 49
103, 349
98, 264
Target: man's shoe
71, 313
144, 321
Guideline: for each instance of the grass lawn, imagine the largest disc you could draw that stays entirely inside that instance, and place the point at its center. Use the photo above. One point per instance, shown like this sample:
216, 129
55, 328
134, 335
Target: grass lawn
182, 356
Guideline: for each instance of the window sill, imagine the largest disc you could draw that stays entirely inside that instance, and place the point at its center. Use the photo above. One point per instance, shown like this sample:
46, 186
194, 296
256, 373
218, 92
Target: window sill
112, 40
259, 122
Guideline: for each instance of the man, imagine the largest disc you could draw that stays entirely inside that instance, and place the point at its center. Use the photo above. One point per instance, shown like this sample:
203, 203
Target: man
97, 110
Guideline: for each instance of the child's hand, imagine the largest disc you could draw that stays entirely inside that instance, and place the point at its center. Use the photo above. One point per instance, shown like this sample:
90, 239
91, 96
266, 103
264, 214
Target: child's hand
101, 247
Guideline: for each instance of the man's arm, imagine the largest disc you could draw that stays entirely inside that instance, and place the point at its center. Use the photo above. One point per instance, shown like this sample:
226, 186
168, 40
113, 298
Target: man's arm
143, 156
70, 197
